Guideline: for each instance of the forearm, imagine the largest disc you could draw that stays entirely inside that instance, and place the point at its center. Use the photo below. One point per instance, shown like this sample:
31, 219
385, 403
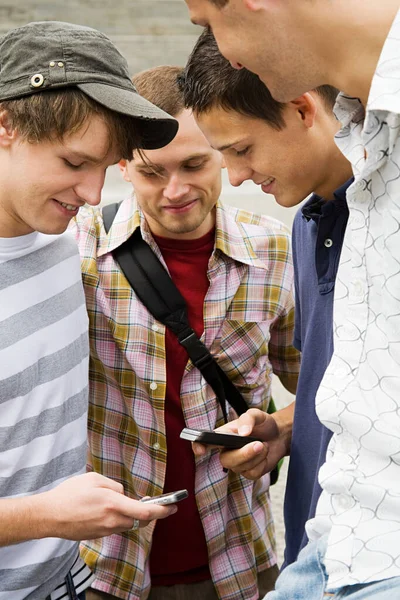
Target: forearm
24, 519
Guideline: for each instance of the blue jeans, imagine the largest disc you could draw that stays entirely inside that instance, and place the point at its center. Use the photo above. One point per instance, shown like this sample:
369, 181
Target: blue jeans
306, 579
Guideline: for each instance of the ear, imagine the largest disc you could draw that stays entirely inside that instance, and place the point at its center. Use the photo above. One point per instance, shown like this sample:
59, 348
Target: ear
123, 168
254, 5
7, 134
306, 108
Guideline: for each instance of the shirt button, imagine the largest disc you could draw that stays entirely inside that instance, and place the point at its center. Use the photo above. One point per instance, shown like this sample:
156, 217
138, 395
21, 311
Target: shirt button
156, 446
358, 288
328, 243
345, 501
155, 327
153, 385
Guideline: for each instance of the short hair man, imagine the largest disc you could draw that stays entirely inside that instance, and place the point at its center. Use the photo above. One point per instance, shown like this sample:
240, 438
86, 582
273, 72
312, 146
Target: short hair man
289, 150
353, 46
234, 270
67, 111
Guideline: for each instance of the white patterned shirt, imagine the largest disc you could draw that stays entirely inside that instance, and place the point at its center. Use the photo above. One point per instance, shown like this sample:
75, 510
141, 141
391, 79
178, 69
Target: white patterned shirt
359, 397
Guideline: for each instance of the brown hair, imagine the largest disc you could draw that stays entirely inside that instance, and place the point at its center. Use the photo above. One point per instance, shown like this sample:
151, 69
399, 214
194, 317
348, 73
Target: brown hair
53, 114
159, 86
209, 80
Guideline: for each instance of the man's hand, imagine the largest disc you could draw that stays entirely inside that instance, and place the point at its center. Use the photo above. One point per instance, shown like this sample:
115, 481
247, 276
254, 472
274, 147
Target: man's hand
257, 458
91, 506
84, 507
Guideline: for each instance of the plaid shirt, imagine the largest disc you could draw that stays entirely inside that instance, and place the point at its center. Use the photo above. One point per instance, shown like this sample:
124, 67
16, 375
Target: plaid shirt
248, 327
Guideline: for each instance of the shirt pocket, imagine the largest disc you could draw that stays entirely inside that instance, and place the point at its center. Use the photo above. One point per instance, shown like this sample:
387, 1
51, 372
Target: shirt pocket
241, 350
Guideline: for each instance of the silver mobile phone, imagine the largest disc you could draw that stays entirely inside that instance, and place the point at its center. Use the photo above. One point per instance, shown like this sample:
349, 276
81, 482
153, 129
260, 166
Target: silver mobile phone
169, 498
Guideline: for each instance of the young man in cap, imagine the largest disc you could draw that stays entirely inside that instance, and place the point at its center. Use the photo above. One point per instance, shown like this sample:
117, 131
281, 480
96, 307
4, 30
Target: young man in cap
67, 111
289, 150
233, 268
295, 45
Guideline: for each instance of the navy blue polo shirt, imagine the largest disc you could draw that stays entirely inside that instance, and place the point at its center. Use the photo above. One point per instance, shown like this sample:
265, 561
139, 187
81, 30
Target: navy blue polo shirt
318, 232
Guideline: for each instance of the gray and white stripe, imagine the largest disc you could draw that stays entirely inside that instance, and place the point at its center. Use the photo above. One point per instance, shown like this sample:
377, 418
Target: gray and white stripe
43, 395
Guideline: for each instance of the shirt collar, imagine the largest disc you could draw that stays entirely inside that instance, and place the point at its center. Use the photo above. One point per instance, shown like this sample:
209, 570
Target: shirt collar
316, 206
384, 92
125, 223
231, 236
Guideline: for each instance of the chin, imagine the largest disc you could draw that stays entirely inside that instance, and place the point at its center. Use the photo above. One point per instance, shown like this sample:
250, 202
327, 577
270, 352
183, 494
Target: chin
52, 229
288, 202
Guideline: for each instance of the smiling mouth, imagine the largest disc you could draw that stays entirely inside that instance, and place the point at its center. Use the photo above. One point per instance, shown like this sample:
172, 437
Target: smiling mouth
69, 207
267, 184
180, 207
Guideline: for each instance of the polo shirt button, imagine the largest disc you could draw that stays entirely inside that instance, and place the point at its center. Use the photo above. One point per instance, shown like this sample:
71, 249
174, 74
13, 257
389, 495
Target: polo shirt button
153, 385
156, 446
155, 327
328, 243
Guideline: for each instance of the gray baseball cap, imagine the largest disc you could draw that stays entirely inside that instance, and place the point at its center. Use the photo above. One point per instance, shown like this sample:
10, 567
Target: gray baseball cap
50, 55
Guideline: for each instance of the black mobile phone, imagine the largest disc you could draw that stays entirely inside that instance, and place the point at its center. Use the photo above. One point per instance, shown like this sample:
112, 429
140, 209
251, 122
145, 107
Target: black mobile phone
227, 440
169, 498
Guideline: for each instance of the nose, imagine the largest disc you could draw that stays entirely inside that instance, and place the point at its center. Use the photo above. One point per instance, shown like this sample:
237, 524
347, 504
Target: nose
237, 175
90, 186
176, 188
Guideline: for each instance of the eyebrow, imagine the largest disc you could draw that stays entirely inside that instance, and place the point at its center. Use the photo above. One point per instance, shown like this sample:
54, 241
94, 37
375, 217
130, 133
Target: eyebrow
157, 167
86, 157
227, 146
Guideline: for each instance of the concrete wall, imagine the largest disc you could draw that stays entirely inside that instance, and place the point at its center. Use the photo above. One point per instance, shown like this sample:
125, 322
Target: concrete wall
148, 33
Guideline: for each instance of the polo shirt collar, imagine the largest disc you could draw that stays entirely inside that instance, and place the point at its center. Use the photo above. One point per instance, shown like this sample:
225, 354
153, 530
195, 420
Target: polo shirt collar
316, 206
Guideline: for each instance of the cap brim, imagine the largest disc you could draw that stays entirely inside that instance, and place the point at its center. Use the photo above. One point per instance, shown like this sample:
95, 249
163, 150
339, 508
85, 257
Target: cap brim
156, 127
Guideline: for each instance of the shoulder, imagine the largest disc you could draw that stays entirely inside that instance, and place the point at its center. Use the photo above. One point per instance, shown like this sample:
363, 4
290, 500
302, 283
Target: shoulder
254, 222
262, 231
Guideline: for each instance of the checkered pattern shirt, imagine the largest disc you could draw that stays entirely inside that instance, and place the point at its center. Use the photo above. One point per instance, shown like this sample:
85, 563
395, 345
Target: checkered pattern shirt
248, 327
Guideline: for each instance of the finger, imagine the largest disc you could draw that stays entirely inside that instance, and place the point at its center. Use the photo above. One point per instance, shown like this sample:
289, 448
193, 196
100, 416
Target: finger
244, 458
256, 473
144, 511
199, 449
104, 482
110, 484
249, 420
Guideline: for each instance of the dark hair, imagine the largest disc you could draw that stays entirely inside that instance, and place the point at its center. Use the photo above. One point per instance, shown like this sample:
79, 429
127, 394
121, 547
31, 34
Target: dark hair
54, 114
159, 85
209, 80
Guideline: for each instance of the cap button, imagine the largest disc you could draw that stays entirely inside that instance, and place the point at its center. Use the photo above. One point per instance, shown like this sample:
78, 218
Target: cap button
37, 80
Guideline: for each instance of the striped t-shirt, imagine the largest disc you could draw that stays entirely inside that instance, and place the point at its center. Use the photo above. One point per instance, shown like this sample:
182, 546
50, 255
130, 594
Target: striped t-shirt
43, 397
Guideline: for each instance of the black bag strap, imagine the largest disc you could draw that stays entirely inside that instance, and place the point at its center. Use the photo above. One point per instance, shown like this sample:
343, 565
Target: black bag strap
156, 290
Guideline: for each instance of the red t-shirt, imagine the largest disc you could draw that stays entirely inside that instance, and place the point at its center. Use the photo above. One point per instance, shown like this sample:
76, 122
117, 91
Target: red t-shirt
179, 550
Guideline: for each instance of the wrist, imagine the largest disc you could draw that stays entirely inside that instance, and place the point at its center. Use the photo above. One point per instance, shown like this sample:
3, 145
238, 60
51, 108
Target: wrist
43, 516
284, 421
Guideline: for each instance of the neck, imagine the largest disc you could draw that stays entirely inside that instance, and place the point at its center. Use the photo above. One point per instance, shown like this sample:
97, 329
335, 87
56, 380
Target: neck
361, 33
11, 226
339, 171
